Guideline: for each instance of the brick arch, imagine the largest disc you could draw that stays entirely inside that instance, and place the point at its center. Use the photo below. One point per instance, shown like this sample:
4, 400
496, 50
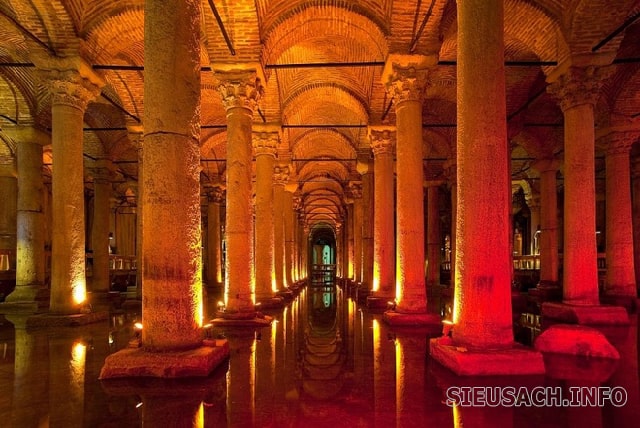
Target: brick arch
323, 143
112, 34
324, 169
213, 145
305, 22
304, 102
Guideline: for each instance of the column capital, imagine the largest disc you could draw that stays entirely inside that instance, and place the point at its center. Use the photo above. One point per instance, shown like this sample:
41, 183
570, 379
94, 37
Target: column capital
619, 142
432, 183
215, 193
355, 189
265, 139
136, 135
578, 85
71, 81
102, 171
382, 139
280, 175
240, 85
450, 168
405, 76
546, 164
28, 134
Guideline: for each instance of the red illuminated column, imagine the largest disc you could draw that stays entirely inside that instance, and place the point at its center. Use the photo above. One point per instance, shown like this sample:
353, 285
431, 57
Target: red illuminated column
577, 92
482, 303
533, 202
356, 194
404, 77
214, 236
172, 304
280, 179
100, 228
30, 217
548, 238
620, 263
72, 85
349, 231
289, 214
433, 235
382, 139
265, 141
635, 171
239, 89
366, 169
451, 171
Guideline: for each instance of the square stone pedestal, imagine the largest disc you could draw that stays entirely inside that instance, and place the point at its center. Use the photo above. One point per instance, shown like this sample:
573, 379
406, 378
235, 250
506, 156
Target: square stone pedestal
585, 315
136, 362
254, 319
400, 319
516, 360
70, 320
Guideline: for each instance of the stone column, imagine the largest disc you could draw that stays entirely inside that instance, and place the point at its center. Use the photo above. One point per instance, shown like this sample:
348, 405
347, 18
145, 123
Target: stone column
451, 171
365, 168
73, 85
482, 304
214, 237
30, 259
533, 202
635, 175
577, 91
136, 136
349, 232
239, 89
482, 321
548, 240
382, 139
280, 179
620, 283
433, 236
172, 305
405, 79
265, 141
356, 194
8, 209
100, 228
289, 249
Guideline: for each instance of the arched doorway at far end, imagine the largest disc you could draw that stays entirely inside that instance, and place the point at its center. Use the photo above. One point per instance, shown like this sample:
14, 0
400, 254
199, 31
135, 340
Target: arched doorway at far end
322, 255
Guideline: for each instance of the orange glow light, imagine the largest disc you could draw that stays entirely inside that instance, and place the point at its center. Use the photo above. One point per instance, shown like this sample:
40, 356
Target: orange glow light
79, 292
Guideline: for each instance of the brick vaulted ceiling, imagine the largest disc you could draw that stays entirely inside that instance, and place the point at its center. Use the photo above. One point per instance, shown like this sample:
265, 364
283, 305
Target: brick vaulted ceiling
322, 61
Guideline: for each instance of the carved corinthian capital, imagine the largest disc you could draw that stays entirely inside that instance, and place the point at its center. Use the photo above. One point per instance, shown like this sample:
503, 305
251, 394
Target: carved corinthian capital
239, 88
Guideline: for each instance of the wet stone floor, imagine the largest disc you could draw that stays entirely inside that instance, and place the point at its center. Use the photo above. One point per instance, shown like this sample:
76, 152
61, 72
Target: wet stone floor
325, 361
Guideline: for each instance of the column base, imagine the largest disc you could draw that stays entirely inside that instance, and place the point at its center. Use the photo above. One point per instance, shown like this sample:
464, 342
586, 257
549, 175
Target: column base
241, 319
422, 319
285, 294
584, 315
379, 303
136, 362
630, 303
270, 303
575, 340
514, 360
65, 320
26, 299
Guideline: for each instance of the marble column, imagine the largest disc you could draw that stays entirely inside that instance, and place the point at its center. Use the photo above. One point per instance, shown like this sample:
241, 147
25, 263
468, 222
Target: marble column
30, 261
136, 136
280, 179
405, 79
240, 89
214, 237
533, 202
348, 234
8, 210
289, 249
548, 240
451, 171
356, 194
577, 91
620, 281
433, 236
172, 304
73, 85
482, 303
635, 175
367, 220
100, 228
265, 141
481, 339
382, 140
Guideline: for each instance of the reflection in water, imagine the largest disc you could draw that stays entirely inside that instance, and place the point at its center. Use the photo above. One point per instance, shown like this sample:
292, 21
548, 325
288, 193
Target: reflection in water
324, 361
